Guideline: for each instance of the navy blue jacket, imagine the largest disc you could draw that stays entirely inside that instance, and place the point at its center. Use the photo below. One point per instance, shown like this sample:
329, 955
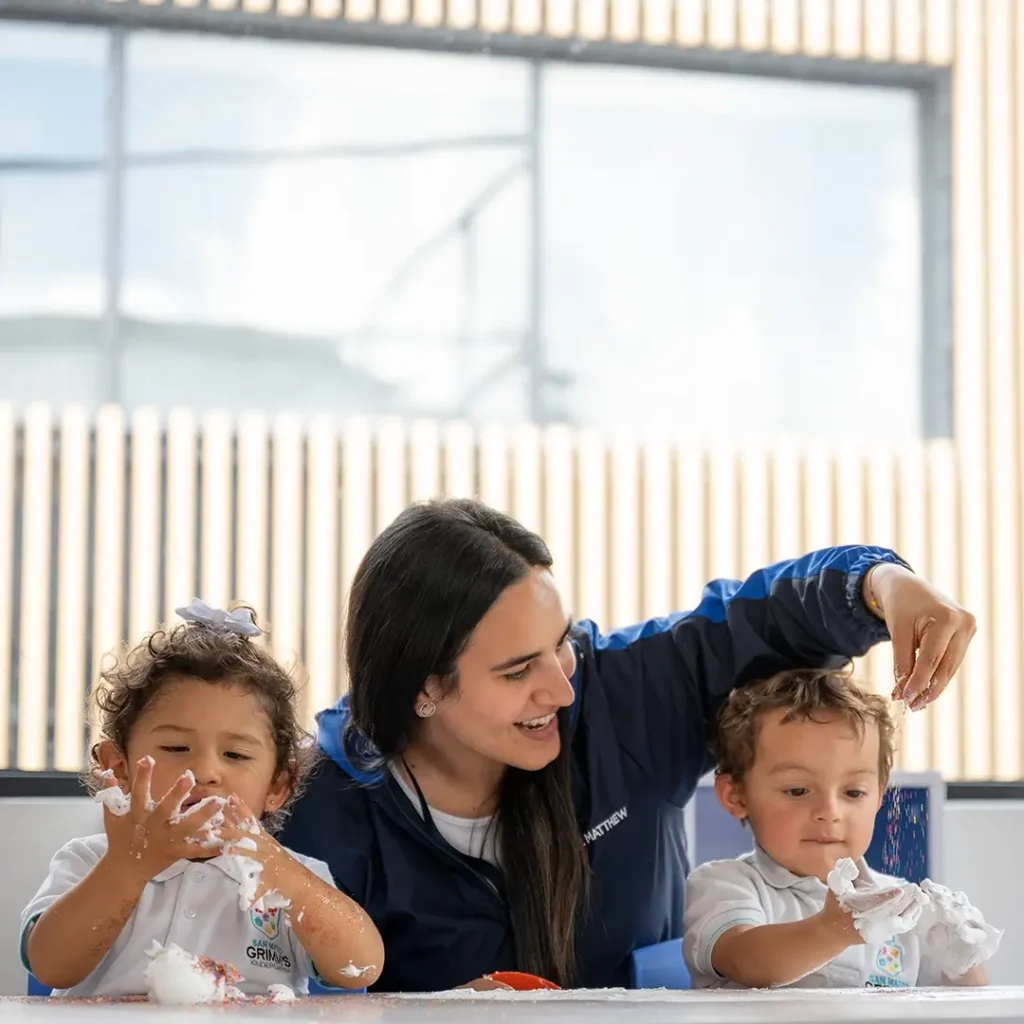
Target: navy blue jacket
646, 698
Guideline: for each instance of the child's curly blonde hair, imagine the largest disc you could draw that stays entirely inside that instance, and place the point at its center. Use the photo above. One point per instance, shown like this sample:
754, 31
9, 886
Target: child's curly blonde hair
129, 685
803, 694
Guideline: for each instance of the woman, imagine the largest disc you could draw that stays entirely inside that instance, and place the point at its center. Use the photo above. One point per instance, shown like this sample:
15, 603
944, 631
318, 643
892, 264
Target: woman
504, 788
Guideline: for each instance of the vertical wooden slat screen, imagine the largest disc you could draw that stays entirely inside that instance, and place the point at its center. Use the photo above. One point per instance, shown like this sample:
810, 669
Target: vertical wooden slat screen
285, 510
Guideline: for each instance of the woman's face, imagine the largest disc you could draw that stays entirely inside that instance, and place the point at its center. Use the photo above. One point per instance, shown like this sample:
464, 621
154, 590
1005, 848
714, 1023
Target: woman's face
512, 679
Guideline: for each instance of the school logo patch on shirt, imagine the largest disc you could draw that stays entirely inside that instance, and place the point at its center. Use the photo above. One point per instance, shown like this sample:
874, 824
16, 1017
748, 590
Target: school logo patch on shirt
890, 958
889, 965
266, 922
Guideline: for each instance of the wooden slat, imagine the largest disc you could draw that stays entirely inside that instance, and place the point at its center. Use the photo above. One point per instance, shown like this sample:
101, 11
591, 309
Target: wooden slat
723, 19
592, 529
146, 499
944, 532
392, 467
286, 589
180, 583
912, 543
691, 518
321, 618
462, 14
849, 497
625, 22
848, 28
880, 527
397, 12
424, 461
656, 530
593, 19
1003, 452
428, 13
494, 471
754, 507
7, 491
624, 533
878, 30
559, 527
217, 511
818, 507
754, 24
658, 25
527, 17
816, 28
459, 461
526, 477
908, 17
690, 22
723, 521
785, 26
108, 538
252, 513
786, 512
34, 638
939, 31
559, 18
971, 393
357, 526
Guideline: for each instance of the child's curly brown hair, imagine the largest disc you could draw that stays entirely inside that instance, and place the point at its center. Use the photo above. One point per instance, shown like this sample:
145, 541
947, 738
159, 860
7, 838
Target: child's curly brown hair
193, 649
803, 694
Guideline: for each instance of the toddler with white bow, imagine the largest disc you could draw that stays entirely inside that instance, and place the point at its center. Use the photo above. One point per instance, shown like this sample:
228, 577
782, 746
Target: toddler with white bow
803, 759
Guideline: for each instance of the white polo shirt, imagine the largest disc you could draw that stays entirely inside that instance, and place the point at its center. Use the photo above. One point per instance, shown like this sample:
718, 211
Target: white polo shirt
755, 890
194, 905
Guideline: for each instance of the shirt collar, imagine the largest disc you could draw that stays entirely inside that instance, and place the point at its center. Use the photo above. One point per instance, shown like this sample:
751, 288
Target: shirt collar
779, 877
227, 866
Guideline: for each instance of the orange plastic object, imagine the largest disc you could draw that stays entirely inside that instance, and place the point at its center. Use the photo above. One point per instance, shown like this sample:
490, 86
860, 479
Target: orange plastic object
522, 982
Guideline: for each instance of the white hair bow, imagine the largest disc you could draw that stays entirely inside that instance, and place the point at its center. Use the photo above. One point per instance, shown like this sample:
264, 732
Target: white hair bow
239, 621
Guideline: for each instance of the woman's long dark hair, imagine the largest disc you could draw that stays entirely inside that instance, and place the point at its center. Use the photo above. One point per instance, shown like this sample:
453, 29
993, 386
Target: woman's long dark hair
418, 595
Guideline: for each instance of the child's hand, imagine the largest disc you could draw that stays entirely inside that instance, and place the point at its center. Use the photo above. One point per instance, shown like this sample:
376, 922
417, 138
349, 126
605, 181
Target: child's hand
242, 835
839, 922
954, 933
152, 836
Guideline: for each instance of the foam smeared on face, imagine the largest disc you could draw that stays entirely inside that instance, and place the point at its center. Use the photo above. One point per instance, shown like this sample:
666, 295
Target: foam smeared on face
177, 978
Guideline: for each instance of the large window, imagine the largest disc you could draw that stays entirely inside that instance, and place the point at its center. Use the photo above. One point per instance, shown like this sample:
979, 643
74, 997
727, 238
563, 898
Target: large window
361, 230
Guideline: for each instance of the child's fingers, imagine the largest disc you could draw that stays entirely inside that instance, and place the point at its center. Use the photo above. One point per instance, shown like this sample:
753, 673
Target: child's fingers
170, 803
141, 793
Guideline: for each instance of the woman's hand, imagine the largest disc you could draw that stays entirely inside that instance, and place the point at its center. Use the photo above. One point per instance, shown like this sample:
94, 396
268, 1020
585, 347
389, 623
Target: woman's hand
930, 633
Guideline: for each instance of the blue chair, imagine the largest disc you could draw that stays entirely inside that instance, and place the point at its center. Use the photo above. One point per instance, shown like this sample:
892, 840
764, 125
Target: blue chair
659, 966
37, 989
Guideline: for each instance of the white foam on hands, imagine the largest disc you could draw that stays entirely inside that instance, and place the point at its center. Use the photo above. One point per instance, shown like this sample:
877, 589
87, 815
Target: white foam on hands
955, 933
113, 798
877, 913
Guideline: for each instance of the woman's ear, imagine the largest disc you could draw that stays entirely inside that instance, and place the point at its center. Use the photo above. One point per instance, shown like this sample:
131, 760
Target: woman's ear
111, 759
730, 796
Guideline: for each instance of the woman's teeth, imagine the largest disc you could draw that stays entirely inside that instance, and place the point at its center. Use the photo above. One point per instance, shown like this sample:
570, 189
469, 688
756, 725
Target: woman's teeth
536, 723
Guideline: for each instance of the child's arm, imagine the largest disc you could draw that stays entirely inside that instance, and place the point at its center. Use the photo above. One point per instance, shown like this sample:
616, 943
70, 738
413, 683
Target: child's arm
727, 935
337, 935
778, 954
64, 944
342, 942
